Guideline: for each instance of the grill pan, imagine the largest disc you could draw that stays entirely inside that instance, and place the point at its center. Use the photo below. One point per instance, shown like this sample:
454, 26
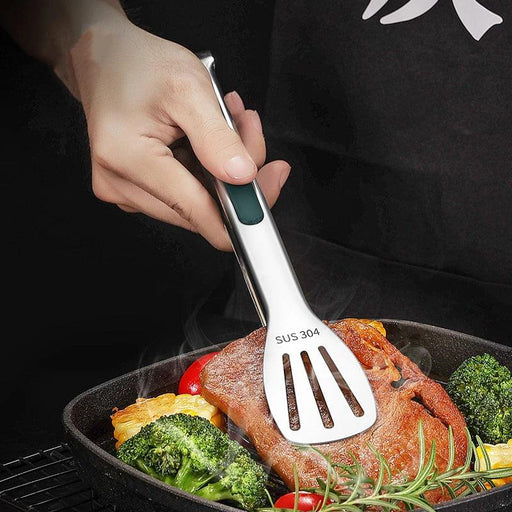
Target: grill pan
88, 428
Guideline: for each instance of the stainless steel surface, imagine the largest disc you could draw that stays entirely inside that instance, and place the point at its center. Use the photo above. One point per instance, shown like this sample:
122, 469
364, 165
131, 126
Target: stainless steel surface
229, 215
293, 330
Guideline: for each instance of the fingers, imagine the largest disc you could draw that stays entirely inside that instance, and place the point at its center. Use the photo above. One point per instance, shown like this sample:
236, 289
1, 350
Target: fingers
249, 126
234, 103
149, 179
111, 188
219, 149
272, 176
142, 175
271, 179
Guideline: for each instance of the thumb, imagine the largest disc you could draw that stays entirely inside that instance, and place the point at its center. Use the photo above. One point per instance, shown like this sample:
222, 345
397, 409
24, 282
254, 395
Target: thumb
218, 147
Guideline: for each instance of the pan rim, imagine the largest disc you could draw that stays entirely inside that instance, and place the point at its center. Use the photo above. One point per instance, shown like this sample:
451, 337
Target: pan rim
110, 459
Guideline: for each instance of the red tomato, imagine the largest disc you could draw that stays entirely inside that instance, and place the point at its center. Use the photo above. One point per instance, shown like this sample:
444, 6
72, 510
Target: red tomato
189, 382
307, 501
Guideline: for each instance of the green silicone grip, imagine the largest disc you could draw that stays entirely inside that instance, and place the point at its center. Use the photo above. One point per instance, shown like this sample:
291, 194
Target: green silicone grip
246, 203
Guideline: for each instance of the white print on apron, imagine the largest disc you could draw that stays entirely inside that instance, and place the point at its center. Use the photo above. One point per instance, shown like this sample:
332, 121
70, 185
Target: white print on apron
475, 17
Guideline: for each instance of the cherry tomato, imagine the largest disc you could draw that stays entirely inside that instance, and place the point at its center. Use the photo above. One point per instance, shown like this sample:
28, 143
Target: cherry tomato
307, 501
189, 382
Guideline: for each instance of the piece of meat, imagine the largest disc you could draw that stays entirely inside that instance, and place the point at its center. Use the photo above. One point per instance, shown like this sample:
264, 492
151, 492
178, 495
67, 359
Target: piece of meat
233, 381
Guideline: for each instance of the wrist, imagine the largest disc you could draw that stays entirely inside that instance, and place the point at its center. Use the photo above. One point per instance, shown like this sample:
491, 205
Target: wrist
87, 22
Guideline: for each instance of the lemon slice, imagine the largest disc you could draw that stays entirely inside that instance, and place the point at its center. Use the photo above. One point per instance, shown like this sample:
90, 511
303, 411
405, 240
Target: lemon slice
500, 456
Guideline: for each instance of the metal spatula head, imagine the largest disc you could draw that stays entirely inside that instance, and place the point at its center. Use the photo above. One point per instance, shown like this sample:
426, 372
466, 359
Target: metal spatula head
315, 387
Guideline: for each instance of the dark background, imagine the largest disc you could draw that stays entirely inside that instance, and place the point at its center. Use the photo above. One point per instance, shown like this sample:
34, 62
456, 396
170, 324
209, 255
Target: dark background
90, 292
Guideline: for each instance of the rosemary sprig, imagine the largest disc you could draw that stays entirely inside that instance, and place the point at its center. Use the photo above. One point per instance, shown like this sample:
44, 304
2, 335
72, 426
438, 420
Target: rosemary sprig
350, 488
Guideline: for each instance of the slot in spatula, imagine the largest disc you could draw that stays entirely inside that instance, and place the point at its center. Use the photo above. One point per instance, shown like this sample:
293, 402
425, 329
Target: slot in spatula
315, 387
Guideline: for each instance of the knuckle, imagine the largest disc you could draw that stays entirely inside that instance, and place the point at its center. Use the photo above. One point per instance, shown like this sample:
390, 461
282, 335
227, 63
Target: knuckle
185, 83
102, 190
104, 142
186, 92
180, 85
183, 209
101, 156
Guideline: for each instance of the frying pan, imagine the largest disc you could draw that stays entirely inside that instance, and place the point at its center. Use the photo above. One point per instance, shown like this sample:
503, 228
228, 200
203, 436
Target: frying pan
88, 428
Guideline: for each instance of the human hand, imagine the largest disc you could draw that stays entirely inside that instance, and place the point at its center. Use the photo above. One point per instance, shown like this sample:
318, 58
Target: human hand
142, 94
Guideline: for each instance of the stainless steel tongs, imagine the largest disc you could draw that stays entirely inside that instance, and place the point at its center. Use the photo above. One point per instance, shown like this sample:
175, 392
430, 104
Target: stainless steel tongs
307, 370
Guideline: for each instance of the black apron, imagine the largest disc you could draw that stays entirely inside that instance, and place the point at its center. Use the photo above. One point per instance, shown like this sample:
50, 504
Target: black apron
400, 199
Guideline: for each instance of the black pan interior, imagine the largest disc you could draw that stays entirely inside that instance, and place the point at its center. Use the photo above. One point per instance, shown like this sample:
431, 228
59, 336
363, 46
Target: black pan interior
89, 430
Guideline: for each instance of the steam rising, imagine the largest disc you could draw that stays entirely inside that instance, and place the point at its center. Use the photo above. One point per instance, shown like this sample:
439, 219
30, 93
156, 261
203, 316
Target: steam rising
195, 337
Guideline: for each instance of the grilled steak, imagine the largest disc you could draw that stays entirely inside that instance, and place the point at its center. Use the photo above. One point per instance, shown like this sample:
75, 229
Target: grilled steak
233, 381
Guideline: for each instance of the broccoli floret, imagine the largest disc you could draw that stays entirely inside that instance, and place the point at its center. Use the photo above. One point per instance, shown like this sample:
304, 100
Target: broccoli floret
244, 481
482, 390
149, 451
191, 453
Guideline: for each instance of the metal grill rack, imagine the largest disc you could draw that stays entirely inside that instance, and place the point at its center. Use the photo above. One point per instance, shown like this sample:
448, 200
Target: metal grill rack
46, 481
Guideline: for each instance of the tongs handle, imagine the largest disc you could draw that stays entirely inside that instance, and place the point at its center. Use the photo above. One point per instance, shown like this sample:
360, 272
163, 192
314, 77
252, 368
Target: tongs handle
260, 252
